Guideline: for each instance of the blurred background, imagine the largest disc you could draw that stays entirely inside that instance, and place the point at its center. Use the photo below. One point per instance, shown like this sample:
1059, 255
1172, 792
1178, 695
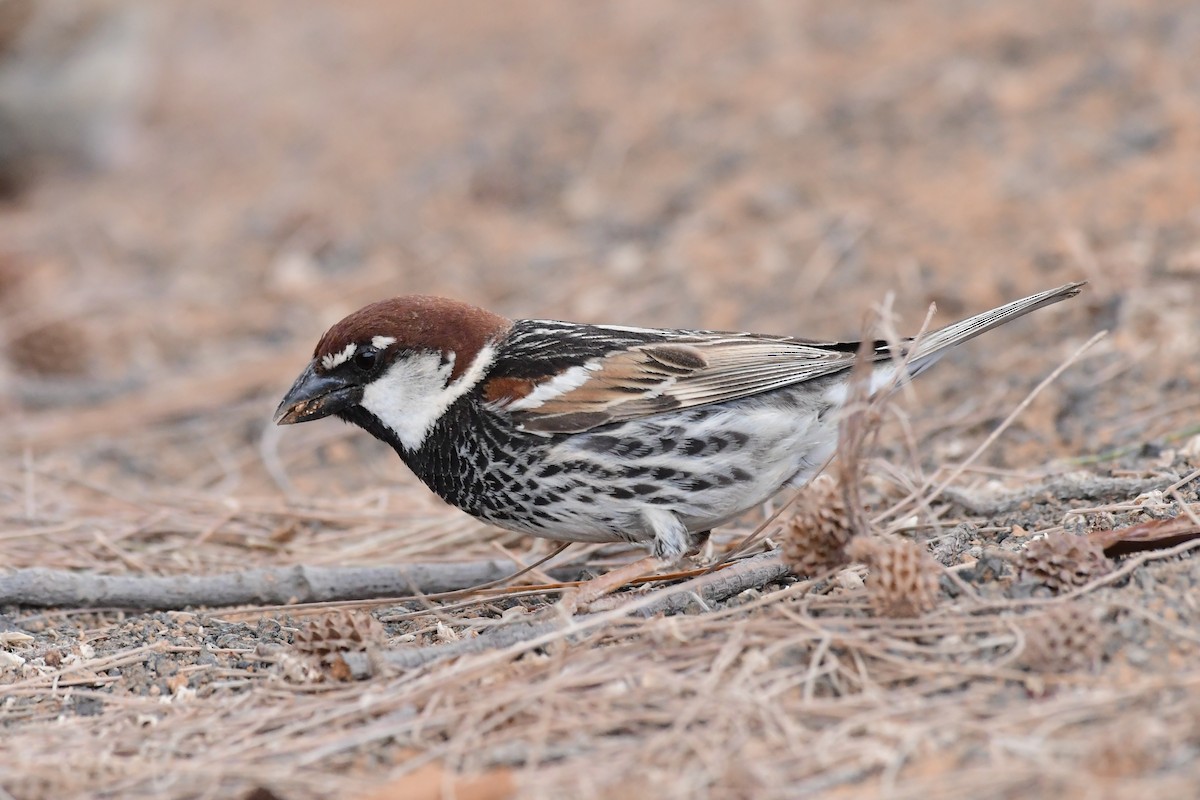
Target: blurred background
193, 191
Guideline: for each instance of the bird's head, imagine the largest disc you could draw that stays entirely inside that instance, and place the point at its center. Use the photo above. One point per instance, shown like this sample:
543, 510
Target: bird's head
395, 366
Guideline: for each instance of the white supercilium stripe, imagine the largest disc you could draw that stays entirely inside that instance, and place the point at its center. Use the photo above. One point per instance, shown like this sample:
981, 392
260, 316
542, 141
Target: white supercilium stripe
331, 360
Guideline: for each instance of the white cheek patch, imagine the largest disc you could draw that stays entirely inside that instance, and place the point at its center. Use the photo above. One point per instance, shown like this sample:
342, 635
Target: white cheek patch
560, 384
413, 394
331, 360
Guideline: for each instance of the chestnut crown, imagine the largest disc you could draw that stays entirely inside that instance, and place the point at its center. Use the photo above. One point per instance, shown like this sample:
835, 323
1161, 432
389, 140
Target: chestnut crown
409, 323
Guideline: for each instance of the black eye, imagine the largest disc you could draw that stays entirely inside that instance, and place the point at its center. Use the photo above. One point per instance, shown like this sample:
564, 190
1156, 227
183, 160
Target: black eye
365, 358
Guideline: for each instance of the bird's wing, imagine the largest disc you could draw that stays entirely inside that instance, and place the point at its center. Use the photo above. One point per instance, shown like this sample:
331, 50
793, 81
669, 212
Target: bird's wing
671, 370
559, 377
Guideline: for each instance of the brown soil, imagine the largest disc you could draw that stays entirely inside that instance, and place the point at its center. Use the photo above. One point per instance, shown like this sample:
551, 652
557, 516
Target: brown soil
773, 166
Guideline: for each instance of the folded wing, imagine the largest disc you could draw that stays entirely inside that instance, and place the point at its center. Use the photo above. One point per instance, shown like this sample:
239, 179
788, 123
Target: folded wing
605, 374
683, 371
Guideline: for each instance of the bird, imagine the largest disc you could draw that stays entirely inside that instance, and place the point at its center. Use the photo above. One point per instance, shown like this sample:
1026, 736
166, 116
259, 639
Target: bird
600, 433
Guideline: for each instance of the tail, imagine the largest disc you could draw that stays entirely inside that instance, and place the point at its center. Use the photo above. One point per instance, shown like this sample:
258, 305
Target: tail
930, 346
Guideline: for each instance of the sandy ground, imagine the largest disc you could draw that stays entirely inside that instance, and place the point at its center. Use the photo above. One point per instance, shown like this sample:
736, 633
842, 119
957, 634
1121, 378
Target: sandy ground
780, 167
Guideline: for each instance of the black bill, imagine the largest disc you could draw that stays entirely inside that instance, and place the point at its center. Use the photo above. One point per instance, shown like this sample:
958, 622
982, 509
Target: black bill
314, 396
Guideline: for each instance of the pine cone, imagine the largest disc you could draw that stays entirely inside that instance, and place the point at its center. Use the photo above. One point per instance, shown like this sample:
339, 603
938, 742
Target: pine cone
1062, 639
1062, 560
343, 631
59, 350
902, 579
814, 538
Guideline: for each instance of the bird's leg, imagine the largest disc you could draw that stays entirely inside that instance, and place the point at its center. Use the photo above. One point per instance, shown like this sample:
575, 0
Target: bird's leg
671, 542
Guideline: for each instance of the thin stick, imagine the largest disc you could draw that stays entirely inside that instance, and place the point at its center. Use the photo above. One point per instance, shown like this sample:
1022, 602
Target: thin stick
710, 590
281, 586
995, 434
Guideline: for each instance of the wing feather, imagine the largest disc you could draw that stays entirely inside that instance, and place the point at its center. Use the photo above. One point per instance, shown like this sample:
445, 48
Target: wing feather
691, 369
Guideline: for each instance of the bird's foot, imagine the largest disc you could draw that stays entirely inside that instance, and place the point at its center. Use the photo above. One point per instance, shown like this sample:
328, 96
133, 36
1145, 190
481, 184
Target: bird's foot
702, 550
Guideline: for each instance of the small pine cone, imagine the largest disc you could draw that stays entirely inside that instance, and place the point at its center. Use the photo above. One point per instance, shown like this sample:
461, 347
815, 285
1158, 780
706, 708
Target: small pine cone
1062, 560
59, 350
1062, 640
814, 538
343, 631
902, 578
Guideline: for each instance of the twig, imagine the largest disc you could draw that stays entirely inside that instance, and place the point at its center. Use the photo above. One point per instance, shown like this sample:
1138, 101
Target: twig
852, 426
862, 416
41, 587
1059, 487
919, 496
749, 574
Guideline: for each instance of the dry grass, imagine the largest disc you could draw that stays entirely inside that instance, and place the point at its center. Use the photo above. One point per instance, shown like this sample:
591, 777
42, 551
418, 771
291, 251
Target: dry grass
793, 690
779, 167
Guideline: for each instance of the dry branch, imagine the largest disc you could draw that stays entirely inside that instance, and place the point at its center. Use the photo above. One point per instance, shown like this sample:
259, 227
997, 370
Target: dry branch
1055, 489
749, 574
285, 585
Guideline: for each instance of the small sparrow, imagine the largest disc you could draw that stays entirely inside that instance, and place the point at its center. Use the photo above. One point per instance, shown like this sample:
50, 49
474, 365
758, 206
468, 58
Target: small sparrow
598, 433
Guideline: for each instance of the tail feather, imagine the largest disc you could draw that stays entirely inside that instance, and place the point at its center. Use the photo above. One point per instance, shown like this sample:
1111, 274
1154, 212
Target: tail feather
932, 344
